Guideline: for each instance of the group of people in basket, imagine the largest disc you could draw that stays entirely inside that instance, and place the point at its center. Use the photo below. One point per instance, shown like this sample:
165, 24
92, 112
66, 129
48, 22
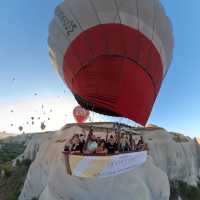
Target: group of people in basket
93, 145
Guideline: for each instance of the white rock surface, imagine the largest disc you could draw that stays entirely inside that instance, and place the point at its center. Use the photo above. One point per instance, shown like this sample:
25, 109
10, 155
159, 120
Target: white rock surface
47, 177
179, 159
33, 143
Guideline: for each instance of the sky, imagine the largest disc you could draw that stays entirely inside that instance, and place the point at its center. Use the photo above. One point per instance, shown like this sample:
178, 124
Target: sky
29, 81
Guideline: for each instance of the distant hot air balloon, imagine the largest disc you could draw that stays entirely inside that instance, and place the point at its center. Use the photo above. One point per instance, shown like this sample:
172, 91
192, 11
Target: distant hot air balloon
80, 114
112, 54
21, 128
42, 126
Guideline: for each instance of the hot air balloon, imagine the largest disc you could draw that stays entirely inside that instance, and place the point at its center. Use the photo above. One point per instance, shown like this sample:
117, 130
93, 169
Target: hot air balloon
113, 55
80, 114
21, 128
42, 126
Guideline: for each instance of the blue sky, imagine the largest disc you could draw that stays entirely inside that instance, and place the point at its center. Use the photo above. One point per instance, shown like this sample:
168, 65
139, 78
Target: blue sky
24, 57
23, 49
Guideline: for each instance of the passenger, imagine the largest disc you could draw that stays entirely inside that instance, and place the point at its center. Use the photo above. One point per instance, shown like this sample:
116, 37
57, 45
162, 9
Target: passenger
140, 145
82, 137
101, 149
68, 146
112, 146
91, 145
133, 145
124, 145
128, 145
98, 140
70, 143
75, 144
116, 138
82, 142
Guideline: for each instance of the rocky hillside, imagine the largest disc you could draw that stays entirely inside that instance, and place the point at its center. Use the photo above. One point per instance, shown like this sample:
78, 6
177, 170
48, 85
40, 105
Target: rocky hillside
5, 135
197, 139
173, 161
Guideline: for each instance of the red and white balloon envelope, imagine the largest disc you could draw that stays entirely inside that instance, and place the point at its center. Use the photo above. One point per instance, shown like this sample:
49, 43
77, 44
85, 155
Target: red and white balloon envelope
80, 114
112, 55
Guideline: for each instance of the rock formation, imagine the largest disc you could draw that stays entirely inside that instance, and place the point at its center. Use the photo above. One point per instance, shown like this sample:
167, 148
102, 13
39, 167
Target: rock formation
172, 157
